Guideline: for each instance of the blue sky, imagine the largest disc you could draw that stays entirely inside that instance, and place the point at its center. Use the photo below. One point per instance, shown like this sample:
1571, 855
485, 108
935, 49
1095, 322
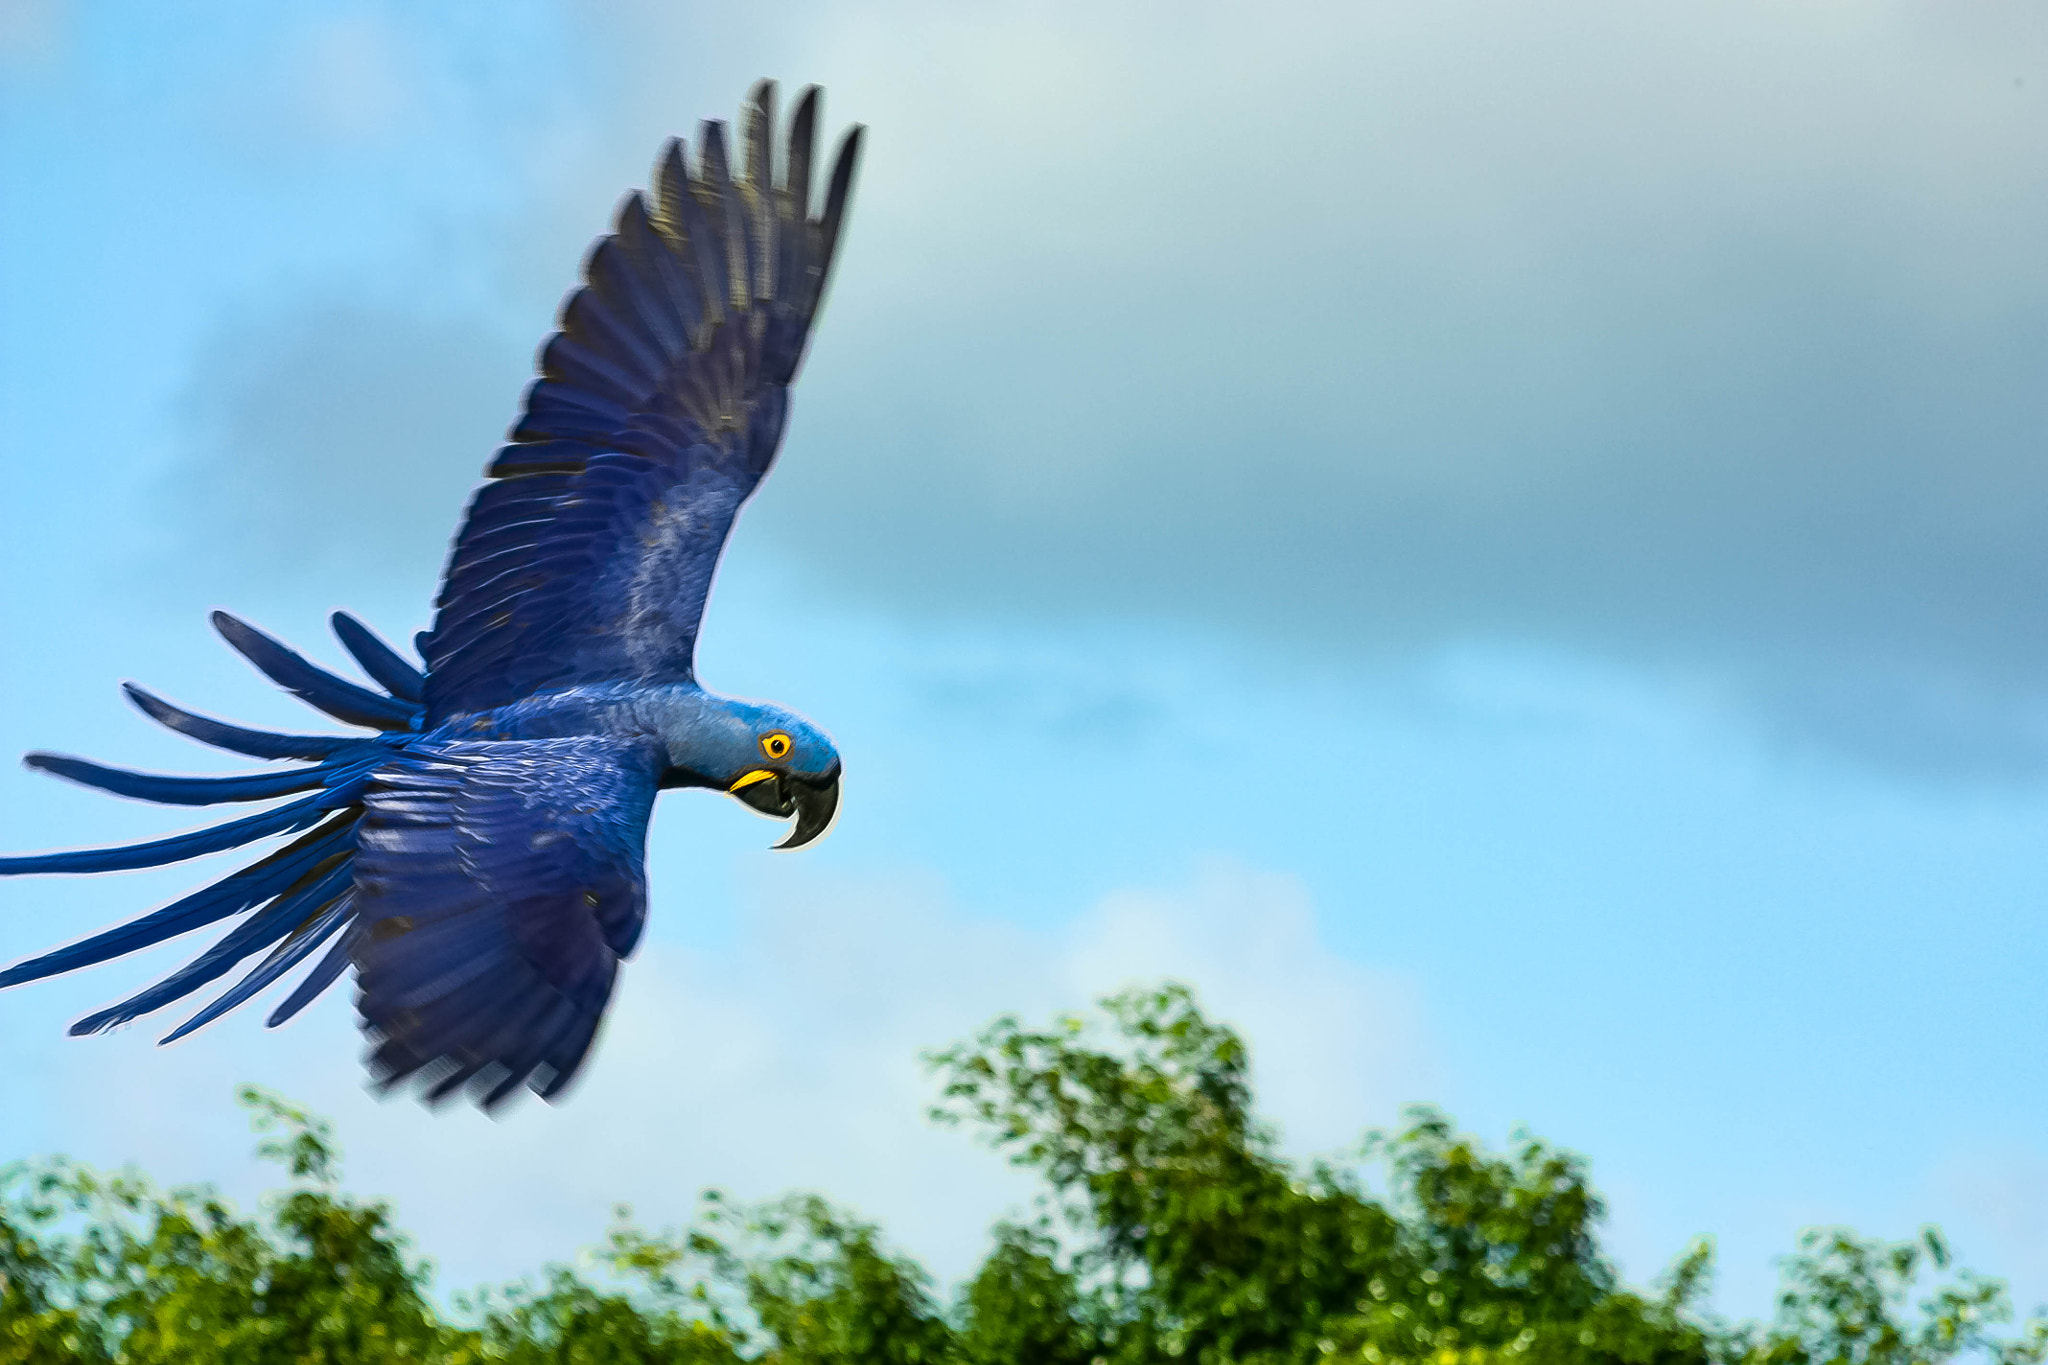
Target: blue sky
1501, 543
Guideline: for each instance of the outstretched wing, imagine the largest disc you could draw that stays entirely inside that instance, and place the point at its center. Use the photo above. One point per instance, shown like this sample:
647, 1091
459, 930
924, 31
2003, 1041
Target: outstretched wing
497, 887
659, 406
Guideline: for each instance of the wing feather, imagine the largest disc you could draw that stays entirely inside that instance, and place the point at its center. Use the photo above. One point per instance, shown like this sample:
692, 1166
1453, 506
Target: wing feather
670, 304
498, 885
660, 404
681, 216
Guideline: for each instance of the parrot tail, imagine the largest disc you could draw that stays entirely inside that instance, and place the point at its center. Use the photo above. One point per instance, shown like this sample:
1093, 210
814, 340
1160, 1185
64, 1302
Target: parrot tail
302, 894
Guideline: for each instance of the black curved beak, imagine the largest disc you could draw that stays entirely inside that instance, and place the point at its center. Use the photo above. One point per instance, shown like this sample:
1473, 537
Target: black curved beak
785, 794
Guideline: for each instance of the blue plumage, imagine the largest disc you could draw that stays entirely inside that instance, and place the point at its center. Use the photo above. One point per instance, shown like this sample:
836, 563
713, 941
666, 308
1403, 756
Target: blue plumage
477, 857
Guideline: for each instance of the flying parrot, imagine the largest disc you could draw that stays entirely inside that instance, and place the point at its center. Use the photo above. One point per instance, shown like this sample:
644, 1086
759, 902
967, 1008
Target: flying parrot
478, 857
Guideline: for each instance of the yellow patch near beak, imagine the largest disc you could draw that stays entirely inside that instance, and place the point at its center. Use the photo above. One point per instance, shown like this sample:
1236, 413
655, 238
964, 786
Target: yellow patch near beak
758, 775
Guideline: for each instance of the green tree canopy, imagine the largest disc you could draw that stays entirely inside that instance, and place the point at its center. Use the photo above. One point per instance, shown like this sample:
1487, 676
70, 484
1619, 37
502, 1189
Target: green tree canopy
1170, 1230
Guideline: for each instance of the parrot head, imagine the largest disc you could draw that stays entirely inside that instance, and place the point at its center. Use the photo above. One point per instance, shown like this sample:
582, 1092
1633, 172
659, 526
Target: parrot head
768, 758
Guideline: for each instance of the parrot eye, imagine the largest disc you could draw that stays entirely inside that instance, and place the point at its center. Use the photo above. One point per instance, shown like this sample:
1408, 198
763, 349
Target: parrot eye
775, 744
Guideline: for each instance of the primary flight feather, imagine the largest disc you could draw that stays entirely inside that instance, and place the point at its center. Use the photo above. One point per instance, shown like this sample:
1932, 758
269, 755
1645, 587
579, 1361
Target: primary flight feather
478, 861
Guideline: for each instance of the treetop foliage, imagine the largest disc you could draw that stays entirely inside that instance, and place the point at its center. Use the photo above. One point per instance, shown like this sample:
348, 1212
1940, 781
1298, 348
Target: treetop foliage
1170, 1230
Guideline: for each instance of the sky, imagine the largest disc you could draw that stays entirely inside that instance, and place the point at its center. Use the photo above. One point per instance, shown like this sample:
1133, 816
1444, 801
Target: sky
1499, 543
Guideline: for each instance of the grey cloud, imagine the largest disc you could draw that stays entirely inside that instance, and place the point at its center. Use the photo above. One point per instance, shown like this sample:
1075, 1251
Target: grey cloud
1712, 342
1708, 340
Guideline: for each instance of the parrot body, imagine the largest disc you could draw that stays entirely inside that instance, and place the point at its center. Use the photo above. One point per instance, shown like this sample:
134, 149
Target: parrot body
477, 857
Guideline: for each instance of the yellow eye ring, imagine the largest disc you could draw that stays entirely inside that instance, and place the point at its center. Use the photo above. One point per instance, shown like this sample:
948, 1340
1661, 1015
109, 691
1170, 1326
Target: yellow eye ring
775, 744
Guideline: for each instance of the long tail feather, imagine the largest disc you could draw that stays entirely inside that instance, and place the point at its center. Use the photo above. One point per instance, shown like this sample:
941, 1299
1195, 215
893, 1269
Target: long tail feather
379, 660
168, 790
286, 819
324, 974
297, 898
257, 932
338, 697
231, 895
282, 959
234, 738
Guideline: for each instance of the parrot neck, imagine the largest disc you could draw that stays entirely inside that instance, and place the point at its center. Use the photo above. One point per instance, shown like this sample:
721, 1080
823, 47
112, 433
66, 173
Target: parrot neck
700, 735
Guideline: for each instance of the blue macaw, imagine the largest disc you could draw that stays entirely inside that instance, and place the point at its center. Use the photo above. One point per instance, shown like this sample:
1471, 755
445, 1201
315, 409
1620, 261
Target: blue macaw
479, 859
